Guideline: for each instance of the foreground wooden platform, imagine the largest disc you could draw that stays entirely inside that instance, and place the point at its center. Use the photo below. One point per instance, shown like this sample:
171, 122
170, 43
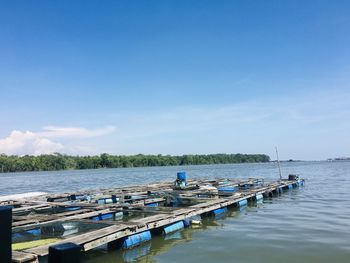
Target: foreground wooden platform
109, 216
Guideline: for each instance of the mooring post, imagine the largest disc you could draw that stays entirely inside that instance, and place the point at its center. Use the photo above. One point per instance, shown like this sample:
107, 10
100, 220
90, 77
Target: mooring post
64, 253
5, 234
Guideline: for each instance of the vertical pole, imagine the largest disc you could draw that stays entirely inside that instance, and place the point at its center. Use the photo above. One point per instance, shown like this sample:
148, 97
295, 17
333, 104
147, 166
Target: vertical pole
278, 163
64, 253
5, 234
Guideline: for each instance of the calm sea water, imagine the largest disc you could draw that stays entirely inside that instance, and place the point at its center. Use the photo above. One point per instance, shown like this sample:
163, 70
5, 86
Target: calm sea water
308, 224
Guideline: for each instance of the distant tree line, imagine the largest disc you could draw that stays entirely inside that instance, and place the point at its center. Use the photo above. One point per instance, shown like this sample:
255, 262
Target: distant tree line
52, 162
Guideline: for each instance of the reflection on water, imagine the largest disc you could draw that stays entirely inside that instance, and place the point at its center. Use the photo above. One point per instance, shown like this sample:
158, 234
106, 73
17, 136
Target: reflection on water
309, 224
162, 243
144, 253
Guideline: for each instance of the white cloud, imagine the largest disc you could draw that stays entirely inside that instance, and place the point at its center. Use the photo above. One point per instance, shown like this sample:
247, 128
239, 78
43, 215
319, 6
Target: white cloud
45, 146
45, 141
27, 143
54, 131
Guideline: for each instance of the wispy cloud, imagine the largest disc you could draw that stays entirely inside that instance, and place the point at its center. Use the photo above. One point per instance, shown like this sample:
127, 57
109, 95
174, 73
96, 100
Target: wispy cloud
54, 131
304, 126
303, 109
298, 124
48, 140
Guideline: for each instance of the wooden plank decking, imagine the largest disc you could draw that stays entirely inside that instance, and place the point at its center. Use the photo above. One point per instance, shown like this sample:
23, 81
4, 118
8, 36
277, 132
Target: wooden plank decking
133, 200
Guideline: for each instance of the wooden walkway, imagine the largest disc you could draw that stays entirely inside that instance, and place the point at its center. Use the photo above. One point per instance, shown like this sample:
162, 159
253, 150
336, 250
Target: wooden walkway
108, 216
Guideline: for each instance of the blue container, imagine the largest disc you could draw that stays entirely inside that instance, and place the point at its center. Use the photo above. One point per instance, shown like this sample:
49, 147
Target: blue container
227, 189
135, 240
34, 232
114, 199
242, 202
108, 201
152, 204
103, 201
301, 183
103, 217
96, 218
16, 236
173, 227
181, 176
220, 211
107, 216
259, 197
186, 222
290, 186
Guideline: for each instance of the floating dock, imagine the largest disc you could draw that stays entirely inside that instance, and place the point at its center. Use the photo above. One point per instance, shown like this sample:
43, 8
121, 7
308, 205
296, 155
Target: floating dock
123, 218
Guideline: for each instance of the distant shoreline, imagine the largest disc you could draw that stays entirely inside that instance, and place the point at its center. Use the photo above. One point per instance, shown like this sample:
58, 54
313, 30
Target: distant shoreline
59, 162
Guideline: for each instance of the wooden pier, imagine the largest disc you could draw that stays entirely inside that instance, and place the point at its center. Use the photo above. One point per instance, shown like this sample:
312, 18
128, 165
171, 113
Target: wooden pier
113, 217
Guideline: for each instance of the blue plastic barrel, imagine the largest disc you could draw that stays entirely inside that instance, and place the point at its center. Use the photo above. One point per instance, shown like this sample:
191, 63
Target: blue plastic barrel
187, 222
181, 176
243, 202
227, 189
173, 227
259, 197
114, 199
152, 205
220, 211
16, 237
135, 240
108, 201
34, 232
103, 217
290, 186
103, 201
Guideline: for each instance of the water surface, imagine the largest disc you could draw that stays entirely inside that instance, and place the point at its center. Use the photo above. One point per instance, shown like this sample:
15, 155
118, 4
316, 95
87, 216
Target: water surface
309, 224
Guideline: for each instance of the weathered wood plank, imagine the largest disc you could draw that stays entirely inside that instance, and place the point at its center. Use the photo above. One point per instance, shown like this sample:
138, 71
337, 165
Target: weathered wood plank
22, 257
156, 216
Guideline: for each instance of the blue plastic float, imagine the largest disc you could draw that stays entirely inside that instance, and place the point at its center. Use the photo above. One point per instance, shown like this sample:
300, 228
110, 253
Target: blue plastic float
242, 202
103, 217
135, 240
152, 205
219, 211
187, 222
173, 227
227, 189
259, 197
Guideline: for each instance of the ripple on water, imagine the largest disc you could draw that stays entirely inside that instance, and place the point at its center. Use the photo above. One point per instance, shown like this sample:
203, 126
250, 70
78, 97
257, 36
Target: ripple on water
308, 224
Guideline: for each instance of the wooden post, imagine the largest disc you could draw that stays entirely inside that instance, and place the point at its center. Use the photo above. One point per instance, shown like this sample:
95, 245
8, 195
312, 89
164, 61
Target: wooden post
5, 234
64, 253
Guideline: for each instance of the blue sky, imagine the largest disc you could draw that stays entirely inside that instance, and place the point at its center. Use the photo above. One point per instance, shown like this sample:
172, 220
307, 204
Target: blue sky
175, 77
